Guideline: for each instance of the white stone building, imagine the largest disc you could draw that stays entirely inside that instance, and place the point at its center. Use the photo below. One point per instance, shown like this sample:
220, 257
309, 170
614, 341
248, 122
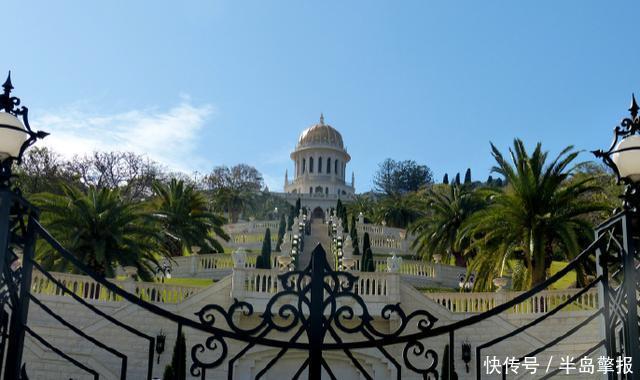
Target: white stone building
320, 170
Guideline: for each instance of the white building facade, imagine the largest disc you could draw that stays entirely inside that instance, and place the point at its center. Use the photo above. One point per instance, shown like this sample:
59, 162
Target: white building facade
320, 170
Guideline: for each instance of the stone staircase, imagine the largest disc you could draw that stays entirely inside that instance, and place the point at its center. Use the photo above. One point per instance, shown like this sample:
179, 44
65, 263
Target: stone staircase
318, 236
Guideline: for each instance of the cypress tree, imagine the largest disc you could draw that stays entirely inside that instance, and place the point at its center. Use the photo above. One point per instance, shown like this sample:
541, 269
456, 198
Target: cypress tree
457, 180
259, 264
445, 366
366, 250
368, 265
354, 232
345, 221
490, 180
467, 176
266, 250
292, 214
445, 179
354, 242
298, 206
281, 231
177, 370
339, 208
366, 242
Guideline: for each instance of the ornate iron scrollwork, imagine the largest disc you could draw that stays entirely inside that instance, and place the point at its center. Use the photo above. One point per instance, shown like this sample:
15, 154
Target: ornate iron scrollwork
343, 310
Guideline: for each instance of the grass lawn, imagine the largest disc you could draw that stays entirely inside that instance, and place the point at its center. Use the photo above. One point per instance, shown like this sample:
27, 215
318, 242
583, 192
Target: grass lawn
189, 281
568, 281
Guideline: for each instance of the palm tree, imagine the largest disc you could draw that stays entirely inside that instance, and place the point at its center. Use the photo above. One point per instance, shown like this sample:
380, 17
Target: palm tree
362, 203
186, 222
101, 229
399, 210
539, 212
438, 232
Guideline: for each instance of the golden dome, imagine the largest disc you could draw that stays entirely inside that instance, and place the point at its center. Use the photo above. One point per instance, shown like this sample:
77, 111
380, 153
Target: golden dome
320, 134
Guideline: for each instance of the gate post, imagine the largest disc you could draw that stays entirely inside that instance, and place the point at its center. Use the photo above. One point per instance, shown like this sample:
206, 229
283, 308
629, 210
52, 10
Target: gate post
6, 198
632, 338
316, 324
19, 315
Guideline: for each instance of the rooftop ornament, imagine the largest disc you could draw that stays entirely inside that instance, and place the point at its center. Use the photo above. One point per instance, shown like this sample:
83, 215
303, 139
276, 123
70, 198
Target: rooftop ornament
15, 135
623, 156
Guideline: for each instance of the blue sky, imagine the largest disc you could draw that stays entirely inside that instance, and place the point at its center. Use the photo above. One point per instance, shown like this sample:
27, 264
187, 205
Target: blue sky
199, 84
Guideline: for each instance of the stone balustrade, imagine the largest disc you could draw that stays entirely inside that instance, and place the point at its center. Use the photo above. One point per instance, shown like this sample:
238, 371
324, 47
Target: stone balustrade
540, 303
87, 288
380, 287
408, 267
215, 265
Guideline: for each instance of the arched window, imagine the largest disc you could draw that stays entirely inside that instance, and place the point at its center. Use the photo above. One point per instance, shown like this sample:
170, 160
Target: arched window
326, 190
310, 164
335, 167
328, 165
318, 189
304, 165
319, 164
311, 190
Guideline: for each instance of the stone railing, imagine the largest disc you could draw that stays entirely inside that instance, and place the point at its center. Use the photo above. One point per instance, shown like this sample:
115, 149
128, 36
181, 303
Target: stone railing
408, 267
263, 283
293, 196
386, 239
540, 303
252, 227
214, 263
87, 288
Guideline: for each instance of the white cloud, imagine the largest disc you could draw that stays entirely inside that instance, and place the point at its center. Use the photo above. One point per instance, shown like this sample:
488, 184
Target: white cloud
169, 137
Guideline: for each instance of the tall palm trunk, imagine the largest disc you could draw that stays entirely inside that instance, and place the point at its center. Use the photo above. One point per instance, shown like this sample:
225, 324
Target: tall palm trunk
538, 253
459, 258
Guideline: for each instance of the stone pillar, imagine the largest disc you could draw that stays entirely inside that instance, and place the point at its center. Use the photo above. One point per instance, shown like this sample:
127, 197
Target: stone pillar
194, 264
130, 283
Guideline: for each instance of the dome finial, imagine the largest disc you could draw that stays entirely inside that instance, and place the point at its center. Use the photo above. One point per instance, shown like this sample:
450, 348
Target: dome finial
321, 119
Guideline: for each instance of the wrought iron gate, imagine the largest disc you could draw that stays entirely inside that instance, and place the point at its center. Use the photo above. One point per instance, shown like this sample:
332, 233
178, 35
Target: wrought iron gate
318, 308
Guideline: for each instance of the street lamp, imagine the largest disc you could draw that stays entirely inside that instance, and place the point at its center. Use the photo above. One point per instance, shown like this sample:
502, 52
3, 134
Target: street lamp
623, 156
15, 135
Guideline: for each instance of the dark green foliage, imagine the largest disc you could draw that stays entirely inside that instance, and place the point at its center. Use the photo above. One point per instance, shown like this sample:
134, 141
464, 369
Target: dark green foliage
292, 214
101, 229
457, 180
259, 264
177, 370
281, 231
354, 236
367, 254
182, 212
366, 242
445, 179
399, 177
467, 177
298, 207
490, 180
235, 189
438, 232
168, 373
266, 250
445, 366
368, 265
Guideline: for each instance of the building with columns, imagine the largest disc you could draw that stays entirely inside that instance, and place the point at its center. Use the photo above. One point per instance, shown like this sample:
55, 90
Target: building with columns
320, 169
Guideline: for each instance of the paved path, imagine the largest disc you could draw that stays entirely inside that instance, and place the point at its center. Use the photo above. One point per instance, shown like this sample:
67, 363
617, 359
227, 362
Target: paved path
318, 235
